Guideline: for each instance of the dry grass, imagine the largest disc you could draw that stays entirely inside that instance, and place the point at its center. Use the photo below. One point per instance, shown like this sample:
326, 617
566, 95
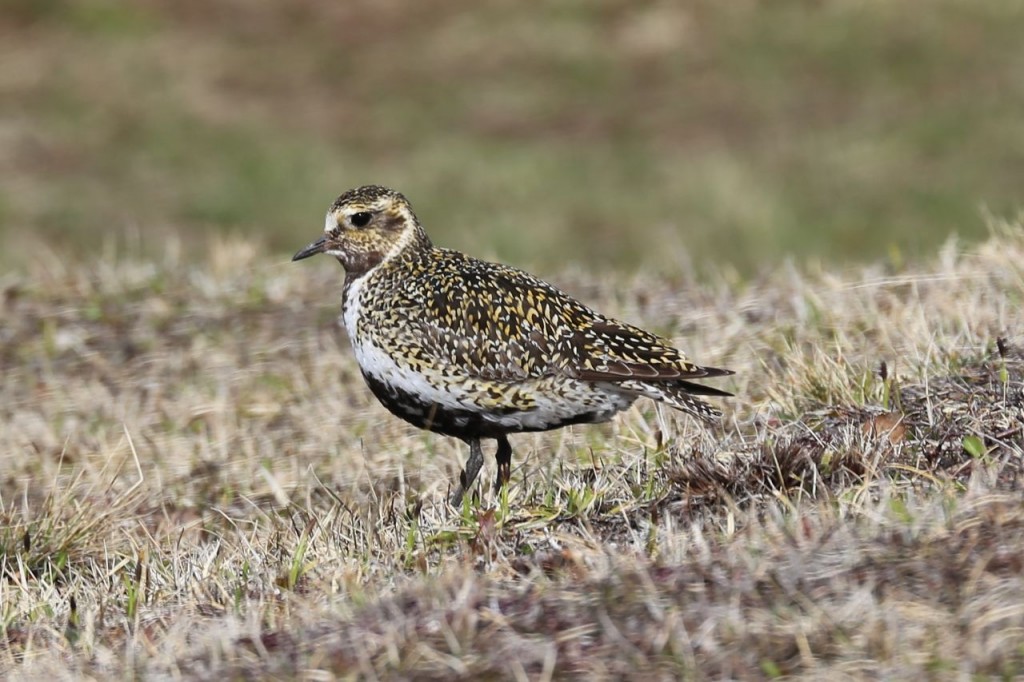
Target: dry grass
196, 483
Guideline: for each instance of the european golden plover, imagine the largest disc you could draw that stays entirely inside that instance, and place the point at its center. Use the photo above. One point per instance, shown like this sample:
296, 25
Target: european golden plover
477, 350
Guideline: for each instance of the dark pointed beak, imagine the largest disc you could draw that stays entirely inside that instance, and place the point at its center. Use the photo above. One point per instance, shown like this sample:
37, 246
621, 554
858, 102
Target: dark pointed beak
316, 247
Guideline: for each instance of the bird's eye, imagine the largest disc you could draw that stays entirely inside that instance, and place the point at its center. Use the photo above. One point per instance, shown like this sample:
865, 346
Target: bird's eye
361, 219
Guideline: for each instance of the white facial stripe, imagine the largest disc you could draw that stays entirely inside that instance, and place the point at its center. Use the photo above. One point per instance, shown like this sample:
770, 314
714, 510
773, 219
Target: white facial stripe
329, 223
403, 240
350, 315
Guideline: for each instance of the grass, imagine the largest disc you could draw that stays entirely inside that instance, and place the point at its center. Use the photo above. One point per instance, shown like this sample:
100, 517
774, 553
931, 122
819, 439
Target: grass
727, 133
196, 483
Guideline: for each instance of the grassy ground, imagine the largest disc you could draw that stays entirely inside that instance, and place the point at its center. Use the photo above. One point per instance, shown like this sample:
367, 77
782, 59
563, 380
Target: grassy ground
732, 133
196, 483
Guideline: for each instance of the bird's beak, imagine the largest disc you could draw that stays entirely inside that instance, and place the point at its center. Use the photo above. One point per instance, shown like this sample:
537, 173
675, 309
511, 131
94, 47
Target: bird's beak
316, 247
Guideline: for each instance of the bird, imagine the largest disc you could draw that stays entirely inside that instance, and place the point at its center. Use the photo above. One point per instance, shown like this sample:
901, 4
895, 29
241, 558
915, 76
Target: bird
477, 350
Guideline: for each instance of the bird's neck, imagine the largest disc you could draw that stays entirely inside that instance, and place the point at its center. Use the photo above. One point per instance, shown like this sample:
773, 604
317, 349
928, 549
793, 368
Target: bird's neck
411, 247
412, 244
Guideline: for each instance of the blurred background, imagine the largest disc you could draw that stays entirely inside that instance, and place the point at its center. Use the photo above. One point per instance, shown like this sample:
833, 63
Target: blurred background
603, 134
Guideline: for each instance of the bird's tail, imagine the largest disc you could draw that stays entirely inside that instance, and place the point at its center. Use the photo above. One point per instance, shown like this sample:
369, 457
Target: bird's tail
682, 395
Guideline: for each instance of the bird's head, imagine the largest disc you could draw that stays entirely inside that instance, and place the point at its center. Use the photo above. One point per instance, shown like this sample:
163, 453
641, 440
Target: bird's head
365, 227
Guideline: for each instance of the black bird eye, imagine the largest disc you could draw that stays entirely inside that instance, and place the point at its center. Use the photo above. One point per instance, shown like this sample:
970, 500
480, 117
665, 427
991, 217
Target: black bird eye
361, 219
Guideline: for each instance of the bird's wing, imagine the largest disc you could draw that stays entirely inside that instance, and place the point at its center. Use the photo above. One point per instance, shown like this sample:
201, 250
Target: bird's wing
492, 322
499, 323
616, 351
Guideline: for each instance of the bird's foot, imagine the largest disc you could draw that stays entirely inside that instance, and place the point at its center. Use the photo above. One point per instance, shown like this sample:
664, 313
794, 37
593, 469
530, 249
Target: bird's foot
504, 476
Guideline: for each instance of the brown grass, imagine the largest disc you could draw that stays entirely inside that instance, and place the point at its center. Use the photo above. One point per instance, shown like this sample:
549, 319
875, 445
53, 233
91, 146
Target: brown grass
197, 484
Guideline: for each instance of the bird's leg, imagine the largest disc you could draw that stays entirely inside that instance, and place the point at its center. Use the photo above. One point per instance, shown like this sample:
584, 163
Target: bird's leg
504, 459
468, 475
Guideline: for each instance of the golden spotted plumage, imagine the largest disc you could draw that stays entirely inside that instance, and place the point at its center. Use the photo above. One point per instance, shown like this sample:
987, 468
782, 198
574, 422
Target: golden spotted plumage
478, 350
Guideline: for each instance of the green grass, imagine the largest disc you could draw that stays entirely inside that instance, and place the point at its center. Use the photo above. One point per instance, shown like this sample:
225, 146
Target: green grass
196, 482
672, 137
